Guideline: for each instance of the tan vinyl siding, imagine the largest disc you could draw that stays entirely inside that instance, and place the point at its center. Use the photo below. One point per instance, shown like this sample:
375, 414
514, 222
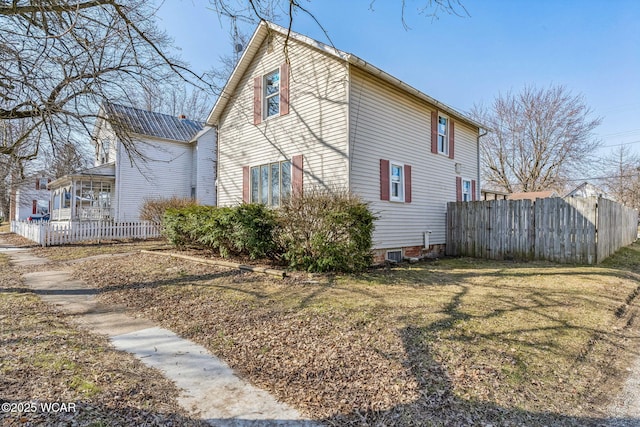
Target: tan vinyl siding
315, 127
386, 123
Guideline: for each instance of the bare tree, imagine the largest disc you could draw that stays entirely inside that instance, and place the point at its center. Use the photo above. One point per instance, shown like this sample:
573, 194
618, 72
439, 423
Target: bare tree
623, 176
537, 139
175, 99
68, 158
60, 58
13, 173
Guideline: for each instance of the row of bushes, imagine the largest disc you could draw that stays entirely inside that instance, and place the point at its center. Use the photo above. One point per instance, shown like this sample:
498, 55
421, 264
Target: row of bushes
319, 231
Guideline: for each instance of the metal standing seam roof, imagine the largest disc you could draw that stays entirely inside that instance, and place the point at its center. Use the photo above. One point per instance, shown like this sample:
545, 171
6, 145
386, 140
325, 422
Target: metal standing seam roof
142, 122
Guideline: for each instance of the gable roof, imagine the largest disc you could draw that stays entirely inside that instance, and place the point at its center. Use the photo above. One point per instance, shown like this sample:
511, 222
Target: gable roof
532, 195
585, 187
136, 121
261, 33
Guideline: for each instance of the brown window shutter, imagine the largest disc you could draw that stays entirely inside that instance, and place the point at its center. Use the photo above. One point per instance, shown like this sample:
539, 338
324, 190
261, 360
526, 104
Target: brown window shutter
451, 139
37, 184
434, 132
384, 179
48, 180
458, 189
34, 207
284, 89
297, 175
473, 190
257, 100
407, 184
246, 194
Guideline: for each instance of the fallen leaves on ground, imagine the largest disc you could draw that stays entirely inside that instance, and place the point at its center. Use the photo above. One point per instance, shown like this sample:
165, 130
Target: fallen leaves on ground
342, 362
45, 359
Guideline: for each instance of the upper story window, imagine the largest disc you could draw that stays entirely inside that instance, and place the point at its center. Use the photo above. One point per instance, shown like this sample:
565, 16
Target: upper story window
105, 150
42, 183
271, 94
443, 135
102, 151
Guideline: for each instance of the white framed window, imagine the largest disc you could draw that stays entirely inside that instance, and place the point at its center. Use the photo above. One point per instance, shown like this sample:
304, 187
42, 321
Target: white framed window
466, 190
270, 183
443, 135
105, 150
271, 94
396, 181
42, 183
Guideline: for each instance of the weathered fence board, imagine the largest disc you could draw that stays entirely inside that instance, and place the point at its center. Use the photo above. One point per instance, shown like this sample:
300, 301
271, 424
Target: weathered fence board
53, 233
575, 230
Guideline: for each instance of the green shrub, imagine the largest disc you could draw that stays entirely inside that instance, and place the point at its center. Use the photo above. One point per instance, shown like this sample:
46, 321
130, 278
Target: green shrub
175, 227
320, 231
241, 230
253, 230
326, 230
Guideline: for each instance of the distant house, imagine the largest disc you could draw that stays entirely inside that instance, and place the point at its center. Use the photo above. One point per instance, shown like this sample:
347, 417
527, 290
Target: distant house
30, 197
586, 189
314, 116
138, 155
493, 195
533, 195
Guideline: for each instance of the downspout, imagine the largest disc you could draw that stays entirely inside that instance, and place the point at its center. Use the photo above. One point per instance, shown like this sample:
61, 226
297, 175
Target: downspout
478, 189
348, 96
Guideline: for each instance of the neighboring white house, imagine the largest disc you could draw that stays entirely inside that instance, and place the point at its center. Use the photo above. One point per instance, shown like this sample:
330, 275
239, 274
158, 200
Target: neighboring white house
166, 156
586, 189
30, 197
317, 116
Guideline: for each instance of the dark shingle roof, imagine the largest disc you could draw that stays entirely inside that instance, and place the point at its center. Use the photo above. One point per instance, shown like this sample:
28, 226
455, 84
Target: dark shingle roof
134, 120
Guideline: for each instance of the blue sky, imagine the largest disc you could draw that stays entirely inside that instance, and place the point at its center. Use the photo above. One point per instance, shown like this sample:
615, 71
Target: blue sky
590, 46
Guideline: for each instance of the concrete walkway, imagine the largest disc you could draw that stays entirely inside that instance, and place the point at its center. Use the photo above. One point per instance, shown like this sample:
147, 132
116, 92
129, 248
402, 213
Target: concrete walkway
209, 387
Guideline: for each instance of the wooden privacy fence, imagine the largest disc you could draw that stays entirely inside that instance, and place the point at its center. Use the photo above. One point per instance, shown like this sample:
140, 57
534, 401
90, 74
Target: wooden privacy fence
52, 233
575, 230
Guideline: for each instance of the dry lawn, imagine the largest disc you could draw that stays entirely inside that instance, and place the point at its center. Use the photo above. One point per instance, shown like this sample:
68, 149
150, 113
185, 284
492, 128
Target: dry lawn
46, 359
450, 342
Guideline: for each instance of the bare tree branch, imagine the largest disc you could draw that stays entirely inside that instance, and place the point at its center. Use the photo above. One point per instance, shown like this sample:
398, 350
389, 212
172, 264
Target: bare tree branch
539, 139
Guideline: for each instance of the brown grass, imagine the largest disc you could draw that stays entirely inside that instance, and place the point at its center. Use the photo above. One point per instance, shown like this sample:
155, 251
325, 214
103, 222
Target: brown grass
452, 342
44, 358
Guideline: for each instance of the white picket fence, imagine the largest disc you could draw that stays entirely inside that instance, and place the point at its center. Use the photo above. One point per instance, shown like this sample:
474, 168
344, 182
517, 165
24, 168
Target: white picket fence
61, 233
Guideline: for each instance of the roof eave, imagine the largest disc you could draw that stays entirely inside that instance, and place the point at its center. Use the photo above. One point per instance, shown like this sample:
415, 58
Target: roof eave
247, 56
257, 39
373, 70
238, 71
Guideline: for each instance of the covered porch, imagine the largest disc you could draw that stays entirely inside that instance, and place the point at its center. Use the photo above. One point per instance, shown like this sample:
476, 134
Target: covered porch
86, 196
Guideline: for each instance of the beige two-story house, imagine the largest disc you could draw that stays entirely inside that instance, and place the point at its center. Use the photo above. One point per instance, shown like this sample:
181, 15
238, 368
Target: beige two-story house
297, 113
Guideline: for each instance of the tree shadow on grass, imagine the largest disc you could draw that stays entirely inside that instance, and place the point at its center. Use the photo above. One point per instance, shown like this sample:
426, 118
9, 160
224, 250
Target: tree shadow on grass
438, 404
